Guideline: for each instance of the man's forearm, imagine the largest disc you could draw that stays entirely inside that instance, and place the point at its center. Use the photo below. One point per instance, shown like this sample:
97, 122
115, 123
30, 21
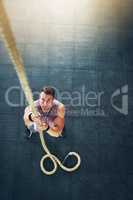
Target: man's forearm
55, 128
27, 118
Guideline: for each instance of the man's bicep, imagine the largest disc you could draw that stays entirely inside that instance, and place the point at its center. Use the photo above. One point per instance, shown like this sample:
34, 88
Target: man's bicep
61, 111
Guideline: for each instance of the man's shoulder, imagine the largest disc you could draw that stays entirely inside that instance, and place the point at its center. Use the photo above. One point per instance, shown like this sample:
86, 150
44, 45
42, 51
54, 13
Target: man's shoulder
61, 108
58, 103
36, 102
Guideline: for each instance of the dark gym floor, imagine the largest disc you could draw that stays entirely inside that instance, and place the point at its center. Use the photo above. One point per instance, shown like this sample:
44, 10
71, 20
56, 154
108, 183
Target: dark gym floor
95, 55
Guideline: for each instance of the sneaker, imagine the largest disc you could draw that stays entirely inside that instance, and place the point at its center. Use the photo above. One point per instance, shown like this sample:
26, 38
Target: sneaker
28, 133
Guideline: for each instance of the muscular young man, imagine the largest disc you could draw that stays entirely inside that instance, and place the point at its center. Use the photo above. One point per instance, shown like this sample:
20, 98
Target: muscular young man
50, 115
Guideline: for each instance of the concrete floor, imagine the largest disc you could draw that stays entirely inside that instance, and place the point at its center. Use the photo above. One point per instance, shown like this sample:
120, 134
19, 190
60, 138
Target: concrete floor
72, 57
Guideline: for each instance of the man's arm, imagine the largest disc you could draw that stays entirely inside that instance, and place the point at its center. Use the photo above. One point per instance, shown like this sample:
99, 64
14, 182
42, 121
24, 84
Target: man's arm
58, 123
30, 118
26, 118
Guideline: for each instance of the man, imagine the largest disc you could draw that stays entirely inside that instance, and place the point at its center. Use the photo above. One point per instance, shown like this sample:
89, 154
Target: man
50, 115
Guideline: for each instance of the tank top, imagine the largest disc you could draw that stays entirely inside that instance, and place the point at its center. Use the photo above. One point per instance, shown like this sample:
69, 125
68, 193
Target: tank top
48, 117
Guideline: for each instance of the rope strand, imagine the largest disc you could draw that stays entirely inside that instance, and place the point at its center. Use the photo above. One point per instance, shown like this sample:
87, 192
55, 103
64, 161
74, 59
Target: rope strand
10, 43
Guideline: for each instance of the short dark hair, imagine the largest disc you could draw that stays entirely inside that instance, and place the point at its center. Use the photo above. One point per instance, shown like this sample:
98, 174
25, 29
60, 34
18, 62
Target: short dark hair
48, 90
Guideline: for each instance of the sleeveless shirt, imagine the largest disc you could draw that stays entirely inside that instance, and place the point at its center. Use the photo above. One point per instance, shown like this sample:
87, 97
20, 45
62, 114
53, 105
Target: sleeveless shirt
48, 117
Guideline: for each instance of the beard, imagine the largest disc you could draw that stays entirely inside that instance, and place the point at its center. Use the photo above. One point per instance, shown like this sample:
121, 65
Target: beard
46, 108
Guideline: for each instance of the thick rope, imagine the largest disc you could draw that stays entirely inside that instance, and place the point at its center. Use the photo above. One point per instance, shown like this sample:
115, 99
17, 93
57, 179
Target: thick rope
10, 43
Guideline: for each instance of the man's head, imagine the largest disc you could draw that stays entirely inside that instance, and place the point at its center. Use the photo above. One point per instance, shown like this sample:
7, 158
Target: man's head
46, 98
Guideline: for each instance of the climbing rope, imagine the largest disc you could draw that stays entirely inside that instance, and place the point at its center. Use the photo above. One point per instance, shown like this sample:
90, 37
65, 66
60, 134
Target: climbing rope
9, 41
